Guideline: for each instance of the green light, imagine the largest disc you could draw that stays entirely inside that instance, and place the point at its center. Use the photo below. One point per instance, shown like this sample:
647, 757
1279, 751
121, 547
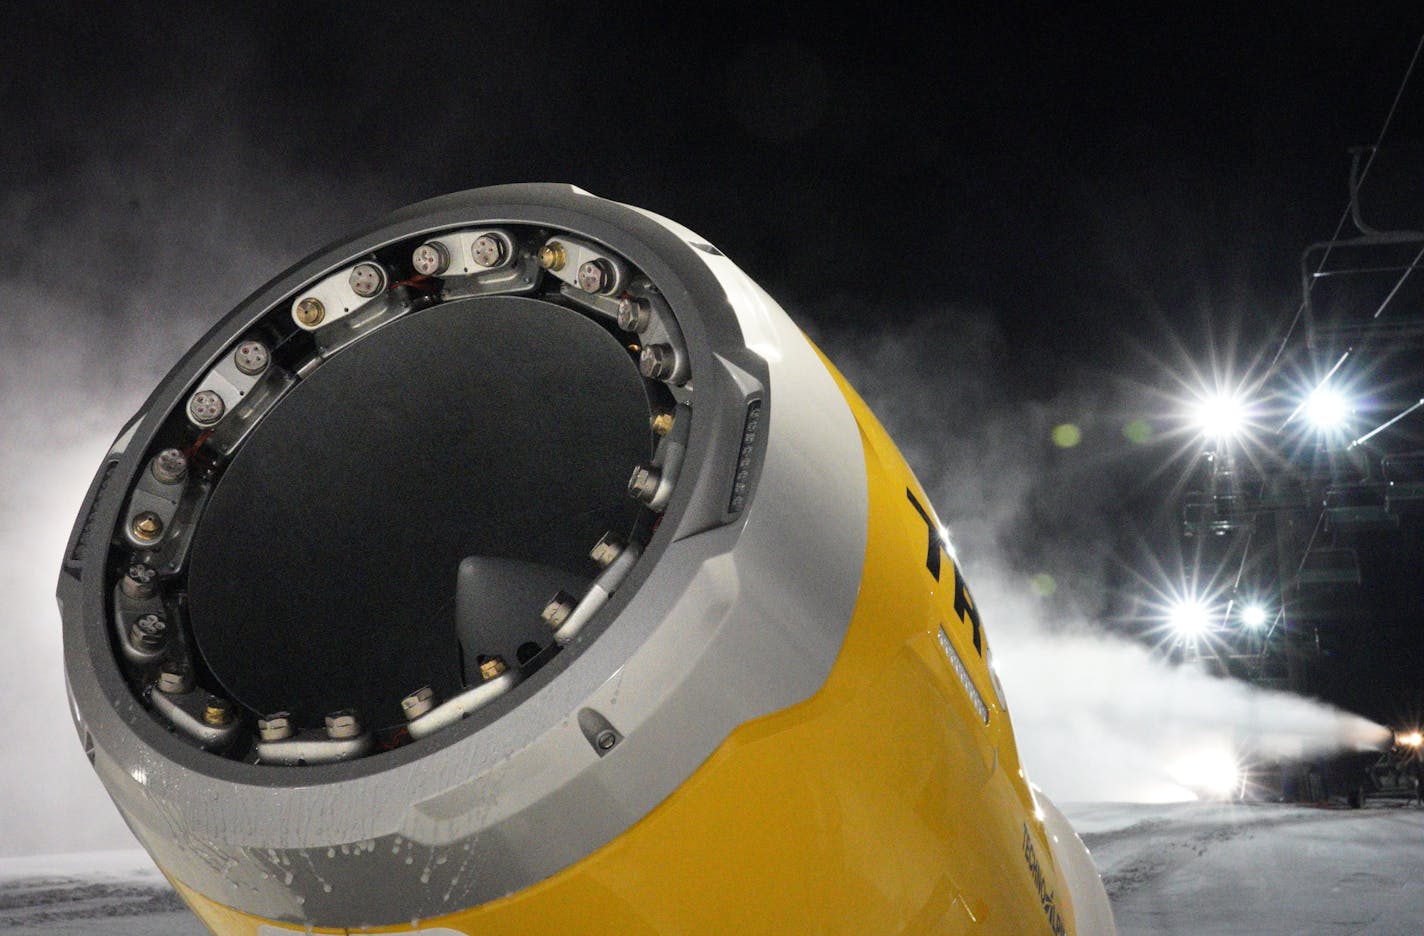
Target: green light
1067, 435
1138, 432
1043, 584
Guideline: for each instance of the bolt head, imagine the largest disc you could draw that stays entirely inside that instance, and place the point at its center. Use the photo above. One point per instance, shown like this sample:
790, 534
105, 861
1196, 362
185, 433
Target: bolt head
606, 739
430, 259
606, 549
147, 527
657, 362
150, 624
644, 483
276, 727
142, 573
175, 679
169, 466
149, 631
367, 280
488, 251
206, 407
557, 611
217, 712
140, 581
342, 725
251, 357
594, 276
634, 315
310, 311
418, 703
492, 668
553, 256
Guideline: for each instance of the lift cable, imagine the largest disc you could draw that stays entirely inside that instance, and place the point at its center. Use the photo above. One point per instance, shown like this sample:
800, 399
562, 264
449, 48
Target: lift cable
1399, 282
1374, 150
1240, 571
1280, 615
1381, 428
1305, 400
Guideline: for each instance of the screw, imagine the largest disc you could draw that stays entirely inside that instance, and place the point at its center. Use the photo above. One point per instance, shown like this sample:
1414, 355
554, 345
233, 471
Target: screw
430, 259
606, 739
342, 725
662, 423
206, 407
488, 251
169, 466
140, 582
606, 549
147, 526
275, 727
657, 362
367, 280
175, 678
148, 632
557, 611
552, 256
310, 311
217, 712
644, 483
594, 276
634, 315
418, 703
492, 667
251, 357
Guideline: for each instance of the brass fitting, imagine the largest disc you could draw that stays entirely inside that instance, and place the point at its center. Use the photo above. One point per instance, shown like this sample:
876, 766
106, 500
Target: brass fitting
147, 526
218, 712
310, 311
553, 256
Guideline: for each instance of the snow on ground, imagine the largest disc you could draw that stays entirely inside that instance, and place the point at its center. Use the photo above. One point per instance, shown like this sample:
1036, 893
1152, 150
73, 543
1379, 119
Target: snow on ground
1175, 868
1258, 868
67, 895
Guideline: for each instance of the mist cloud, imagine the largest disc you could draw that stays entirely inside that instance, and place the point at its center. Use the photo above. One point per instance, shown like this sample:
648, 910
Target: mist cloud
114, 272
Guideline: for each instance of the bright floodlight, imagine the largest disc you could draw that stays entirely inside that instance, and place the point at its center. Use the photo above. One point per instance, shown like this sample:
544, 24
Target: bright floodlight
1189, 618
1409, 739
1221, 416
1253, 616
1211, 773
1326, 409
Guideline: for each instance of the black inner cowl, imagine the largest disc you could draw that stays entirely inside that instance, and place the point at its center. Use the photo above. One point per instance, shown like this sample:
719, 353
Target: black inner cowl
325, 568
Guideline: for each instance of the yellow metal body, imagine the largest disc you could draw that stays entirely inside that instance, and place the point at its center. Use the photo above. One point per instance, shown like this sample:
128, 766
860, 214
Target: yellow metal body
881, 804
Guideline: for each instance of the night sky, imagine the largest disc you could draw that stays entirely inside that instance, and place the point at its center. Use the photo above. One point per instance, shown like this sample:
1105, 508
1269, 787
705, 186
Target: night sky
995, 226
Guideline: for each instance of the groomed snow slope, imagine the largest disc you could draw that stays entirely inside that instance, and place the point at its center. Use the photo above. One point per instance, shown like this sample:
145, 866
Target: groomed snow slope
116, 893
1259, 869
